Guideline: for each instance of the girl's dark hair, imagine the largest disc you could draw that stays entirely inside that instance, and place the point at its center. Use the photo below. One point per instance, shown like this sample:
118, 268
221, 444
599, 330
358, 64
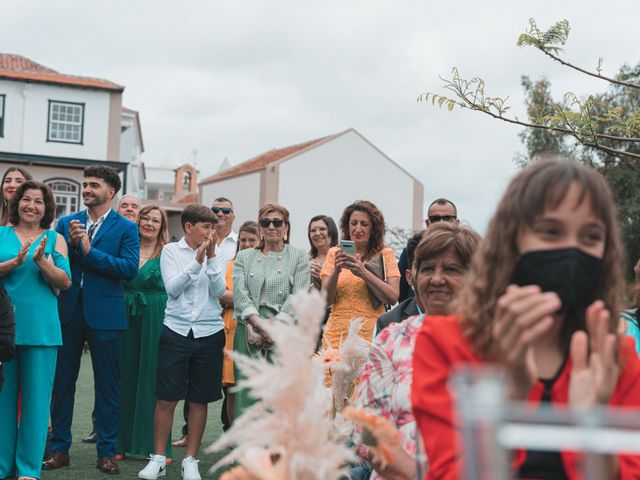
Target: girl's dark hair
4, 204
331, 228
49, 203
378, 228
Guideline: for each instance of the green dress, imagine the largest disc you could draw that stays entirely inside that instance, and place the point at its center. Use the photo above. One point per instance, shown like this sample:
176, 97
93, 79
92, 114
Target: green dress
145, 300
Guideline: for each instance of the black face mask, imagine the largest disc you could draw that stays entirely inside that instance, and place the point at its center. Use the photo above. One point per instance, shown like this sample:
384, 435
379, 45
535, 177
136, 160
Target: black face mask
569, 272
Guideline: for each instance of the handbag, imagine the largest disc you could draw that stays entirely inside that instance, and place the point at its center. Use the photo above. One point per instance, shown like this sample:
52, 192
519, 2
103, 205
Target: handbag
376, 266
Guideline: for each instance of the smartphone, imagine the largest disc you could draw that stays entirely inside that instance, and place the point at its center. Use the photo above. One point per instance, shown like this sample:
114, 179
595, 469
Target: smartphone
348, 246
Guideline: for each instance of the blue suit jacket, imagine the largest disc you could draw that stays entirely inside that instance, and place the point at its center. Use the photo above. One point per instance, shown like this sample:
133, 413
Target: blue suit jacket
114, 257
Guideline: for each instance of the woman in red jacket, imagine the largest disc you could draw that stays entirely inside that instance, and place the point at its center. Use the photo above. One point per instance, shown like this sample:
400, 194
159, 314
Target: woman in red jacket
537, 300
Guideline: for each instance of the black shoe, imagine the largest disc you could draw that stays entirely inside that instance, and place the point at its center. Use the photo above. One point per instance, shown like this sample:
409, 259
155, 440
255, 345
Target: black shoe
91, 438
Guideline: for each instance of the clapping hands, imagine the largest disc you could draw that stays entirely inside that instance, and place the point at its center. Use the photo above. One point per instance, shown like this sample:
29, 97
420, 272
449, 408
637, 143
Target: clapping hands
207, 248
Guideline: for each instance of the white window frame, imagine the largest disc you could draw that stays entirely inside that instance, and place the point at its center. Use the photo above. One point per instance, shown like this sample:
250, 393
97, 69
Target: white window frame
71, 196
70, 128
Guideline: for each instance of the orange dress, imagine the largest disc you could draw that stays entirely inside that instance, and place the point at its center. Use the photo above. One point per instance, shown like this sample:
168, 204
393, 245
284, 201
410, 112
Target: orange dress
352, 299
228, 378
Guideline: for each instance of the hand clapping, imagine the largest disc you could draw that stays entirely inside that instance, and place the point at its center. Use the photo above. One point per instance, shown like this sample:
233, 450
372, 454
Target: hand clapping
78, 236
22, 253
38, 254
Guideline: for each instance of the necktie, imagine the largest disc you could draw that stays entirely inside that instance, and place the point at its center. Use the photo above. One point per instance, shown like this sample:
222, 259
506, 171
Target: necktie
92, 229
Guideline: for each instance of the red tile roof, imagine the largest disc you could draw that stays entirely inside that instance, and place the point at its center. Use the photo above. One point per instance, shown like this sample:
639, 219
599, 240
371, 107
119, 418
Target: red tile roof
17, 67
265, 159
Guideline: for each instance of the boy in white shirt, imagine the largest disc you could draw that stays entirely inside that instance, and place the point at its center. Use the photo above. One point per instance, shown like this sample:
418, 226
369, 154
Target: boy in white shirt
190, 353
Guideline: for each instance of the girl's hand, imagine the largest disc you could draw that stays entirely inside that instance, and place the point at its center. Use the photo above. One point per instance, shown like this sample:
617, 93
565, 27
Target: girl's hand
523, 315
594, 364
38, 253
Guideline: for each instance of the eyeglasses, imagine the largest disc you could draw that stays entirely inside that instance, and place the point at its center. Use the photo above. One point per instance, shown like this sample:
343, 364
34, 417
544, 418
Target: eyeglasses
277, 222
224, 210
441, 218
147, 219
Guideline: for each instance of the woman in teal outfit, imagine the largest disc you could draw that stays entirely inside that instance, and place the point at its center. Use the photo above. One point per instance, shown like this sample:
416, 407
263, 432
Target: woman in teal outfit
34, 268
145, 298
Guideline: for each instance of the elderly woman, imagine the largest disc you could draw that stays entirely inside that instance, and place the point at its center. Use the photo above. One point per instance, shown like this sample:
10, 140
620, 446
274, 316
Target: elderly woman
145, 299
264, 280
34, 267
359, 284
323, 234
541, 301
440, 261
13, 177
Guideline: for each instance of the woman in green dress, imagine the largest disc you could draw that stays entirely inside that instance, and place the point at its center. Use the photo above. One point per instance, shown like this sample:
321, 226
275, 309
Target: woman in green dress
145, 298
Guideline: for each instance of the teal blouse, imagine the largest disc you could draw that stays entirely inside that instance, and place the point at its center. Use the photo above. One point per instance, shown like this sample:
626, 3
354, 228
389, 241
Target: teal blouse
35, 303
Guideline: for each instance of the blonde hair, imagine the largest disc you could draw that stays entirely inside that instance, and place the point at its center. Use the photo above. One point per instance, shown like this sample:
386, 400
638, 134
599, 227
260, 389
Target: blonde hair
163, 233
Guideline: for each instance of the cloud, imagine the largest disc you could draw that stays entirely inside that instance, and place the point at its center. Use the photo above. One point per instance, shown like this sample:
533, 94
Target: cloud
233, 79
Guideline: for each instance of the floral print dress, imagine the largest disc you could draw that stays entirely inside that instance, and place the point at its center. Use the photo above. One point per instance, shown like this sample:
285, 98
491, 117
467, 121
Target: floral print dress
385, 382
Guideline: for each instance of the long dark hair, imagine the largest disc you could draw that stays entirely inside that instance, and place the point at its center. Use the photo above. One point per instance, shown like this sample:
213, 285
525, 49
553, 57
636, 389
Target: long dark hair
4, 204
332, 229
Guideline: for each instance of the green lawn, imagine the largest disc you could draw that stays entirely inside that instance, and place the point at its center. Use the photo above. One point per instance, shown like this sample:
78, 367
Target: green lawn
83, 456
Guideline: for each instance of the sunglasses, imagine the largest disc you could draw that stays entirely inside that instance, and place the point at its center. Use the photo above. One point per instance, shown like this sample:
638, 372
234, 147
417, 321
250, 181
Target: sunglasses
277, 222
441, 218
224, 210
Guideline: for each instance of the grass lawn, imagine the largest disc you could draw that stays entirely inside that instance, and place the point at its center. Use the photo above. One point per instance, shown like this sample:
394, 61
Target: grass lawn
83, 456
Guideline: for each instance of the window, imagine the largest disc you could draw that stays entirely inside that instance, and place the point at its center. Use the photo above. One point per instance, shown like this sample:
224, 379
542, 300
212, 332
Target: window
2, 115
67, 195
66, 121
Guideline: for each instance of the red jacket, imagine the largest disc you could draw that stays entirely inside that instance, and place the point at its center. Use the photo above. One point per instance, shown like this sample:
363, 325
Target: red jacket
440, 347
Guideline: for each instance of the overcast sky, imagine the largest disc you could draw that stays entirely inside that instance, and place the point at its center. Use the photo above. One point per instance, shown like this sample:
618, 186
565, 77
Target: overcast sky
236, 78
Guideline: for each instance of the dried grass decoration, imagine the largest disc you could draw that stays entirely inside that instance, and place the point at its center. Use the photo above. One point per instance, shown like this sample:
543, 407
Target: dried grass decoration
286, 434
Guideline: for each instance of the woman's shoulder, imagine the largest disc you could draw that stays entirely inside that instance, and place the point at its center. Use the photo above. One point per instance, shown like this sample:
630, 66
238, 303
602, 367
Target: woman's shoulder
247, 253
296, 252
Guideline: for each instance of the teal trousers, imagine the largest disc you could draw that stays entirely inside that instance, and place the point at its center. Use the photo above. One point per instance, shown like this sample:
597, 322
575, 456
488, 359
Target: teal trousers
22, 445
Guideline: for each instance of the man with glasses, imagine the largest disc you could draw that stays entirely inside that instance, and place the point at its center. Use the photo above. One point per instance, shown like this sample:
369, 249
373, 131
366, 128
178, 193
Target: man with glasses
222, 208
226, 245
440, 210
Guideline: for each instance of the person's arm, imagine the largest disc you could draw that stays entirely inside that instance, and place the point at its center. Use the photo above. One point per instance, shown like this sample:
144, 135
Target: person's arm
433, 407
215, 274
55, 274
329, 275
243, 304
301, 280
121, 267
387, 291
177, 278
7, 266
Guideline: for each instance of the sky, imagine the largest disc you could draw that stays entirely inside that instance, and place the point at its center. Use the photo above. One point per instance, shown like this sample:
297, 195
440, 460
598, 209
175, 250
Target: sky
233, 79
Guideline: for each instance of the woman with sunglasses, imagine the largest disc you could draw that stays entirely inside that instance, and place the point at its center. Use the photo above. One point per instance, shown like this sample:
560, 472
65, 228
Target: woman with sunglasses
145, 299
264, 280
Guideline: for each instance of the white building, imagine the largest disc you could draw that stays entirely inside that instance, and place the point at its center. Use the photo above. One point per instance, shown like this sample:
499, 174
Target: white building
317, 177
55, 124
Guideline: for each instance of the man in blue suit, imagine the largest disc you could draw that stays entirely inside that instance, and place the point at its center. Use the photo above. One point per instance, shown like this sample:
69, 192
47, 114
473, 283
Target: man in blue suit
104, 250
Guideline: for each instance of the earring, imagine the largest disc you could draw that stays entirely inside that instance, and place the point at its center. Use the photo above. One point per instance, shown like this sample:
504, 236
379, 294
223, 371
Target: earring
285, 237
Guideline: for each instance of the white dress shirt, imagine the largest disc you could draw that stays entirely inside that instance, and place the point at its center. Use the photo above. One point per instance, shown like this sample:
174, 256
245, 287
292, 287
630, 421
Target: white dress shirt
98, 223
193, 290
227, 249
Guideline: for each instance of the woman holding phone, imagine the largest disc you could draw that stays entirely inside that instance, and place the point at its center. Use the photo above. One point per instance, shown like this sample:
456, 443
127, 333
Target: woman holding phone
361, 276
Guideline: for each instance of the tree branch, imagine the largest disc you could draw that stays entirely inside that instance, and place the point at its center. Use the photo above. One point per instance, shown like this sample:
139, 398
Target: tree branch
587, 72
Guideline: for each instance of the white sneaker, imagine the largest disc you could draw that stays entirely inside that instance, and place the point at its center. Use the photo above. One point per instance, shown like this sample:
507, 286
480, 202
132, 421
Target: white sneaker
157, 467
190, 469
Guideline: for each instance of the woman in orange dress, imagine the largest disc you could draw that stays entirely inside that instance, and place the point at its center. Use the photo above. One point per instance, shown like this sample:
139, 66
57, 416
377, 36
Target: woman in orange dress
248, 237
359, 285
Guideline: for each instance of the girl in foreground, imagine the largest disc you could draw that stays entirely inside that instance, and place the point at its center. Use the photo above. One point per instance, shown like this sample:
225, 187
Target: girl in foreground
538, 301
